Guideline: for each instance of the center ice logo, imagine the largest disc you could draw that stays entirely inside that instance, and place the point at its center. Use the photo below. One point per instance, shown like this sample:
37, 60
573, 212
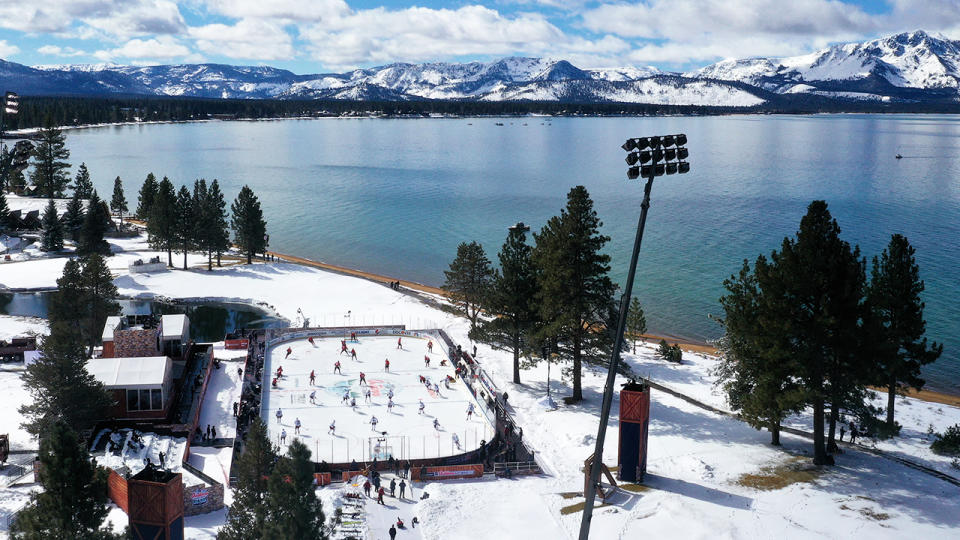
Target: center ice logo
377, 388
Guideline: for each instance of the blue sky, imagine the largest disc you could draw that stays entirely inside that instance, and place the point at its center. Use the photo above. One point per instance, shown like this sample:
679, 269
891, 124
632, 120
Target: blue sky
309, 36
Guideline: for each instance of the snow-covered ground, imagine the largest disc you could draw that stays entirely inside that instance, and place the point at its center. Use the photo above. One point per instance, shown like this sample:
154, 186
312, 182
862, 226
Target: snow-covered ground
410, 435
708, 475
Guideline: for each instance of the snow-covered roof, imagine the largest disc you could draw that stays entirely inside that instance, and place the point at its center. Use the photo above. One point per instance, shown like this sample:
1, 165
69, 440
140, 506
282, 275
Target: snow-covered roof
109, 326
174, 326
144, 372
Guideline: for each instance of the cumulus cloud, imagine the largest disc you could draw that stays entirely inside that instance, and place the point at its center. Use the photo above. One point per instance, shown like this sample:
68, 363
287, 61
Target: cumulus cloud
53, 50
159, 48
7, 49
119, 19
287, 10
248, 39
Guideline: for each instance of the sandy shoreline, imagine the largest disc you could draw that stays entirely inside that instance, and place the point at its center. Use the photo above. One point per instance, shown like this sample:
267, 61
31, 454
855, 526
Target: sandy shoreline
692, 346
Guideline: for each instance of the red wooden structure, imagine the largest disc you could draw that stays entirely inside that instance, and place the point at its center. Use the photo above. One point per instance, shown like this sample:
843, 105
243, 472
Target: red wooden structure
634, 422
155, 505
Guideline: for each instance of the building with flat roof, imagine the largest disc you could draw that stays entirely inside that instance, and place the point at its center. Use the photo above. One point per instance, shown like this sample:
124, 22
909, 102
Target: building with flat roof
142, 387
146, 335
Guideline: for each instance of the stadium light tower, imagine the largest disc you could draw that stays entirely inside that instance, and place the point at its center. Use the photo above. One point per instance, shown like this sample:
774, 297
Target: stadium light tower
647, 157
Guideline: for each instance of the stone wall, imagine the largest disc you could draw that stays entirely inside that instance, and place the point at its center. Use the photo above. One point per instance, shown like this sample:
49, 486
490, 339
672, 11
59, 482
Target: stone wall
135, 343
201, 498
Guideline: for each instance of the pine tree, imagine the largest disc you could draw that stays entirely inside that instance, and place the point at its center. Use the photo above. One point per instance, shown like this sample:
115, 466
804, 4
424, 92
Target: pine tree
510, 300
219, 233
248, 513
757, 368
636, 322
50, 165
249, 228
96, 222
60, 387
82, 185
162, 222
52, 237
185, 228
148, 192
574, 289
293, 510
68, 302
202, 218
893, 297
73, 502
813, 288
118, 203
468, 280
73, 218
4, 211
100, 298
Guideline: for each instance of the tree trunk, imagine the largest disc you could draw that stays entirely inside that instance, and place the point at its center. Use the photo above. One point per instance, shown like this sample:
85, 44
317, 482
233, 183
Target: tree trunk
209, 261
820, 456
832, 430
184, 257
170, 256
218, 260
249, 257
775, 432
516, 360
577, 388
891, 399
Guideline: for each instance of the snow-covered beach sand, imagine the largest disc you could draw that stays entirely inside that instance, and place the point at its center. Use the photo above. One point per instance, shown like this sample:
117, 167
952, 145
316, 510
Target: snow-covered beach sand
709, 475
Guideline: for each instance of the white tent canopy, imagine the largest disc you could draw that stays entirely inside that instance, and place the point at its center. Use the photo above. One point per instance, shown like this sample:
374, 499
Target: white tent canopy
131, 373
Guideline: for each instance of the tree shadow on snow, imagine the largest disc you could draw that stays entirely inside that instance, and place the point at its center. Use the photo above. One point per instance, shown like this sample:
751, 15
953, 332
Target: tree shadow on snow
697, 491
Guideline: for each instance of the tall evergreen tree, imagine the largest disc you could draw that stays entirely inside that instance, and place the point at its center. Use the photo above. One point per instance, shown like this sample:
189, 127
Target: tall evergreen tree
162, 222
68, 302
894, 299
814, 285
636, 322
248, 226
73, 218
185, 230
218, 235
82, 184
52, 237
248, 513
50, 165
294, 511
510, 301
574, 289
73, 502
468, 280
118, 203
148, 193
96, 222
60, 387
4, 211
100, 298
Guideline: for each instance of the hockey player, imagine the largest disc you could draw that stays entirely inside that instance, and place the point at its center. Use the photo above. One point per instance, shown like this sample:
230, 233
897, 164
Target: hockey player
283, 436
310, 339
426, 361
368, 397
343, 347
336, 367
400, 343
456, 441
443, 361
313, 377
353, 402
289, 350
353, 336
313, 397
390, 393
373, 423
390, 405
279, 372
346, 396
353, 354
279, 415
422, 407
333, 428
363, 378
386, 364
469, 411
430, 346
423, 380
446, 382
273, 383
436, 424
436, 388
296, 426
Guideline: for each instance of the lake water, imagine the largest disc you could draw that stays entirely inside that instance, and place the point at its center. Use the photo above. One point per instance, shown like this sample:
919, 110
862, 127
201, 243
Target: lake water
209, 321
396, 196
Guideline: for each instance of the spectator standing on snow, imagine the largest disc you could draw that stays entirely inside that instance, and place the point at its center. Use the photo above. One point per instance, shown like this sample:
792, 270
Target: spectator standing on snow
403, 487
393, 486
366, 488
392, 531
380, 492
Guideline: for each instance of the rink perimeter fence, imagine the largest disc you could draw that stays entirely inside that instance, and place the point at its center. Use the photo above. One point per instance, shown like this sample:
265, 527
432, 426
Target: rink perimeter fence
429, 456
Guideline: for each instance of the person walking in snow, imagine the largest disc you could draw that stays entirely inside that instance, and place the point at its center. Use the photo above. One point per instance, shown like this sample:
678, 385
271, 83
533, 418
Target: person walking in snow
336, 368
373, 423
279, 415
392, 531
213, 432
403, 487
469, 411
313, 377
386, 364
333, 428
363, 378
296, 426
283, 436
313, 397
422, 406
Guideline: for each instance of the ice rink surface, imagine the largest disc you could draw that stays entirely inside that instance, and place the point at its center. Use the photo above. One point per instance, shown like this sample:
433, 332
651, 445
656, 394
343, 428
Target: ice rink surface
409, 434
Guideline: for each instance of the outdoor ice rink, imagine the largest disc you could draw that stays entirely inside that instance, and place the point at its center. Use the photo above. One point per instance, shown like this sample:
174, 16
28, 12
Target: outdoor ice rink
410, 435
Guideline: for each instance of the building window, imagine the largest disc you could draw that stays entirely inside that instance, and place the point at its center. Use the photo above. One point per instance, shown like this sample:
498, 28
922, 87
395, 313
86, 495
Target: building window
145, 400
156, 398
133, 400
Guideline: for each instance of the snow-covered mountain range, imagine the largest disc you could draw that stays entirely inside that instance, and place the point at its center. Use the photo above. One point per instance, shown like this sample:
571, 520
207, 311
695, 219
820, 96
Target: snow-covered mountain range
908, 67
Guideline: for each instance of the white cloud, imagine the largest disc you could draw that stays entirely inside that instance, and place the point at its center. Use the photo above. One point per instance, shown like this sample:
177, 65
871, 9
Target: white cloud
419, 34
119, 19
249, 39
287, 10
7, 49
160, 48
53, 50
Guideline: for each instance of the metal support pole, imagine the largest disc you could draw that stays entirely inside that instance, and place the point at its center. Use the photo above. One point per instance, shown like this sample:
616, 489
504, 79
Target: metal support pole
591, 489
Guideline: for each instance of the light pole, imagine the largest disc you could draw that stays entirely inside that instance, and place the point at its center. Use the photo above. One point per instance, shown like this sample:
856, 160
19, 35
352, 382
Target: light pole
648, 157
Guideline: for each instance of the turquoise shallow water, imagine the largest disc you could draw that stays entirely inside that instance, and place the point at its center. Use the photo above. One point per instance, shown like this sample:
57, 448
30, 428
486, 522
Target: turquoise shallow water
396, 196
